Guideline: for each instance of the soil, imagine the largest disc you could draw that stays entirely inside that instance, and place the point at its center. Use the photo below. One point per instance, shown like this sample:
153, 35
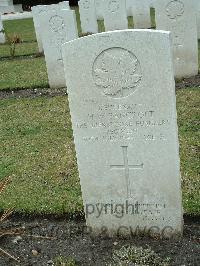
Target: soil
38, 240
37, 92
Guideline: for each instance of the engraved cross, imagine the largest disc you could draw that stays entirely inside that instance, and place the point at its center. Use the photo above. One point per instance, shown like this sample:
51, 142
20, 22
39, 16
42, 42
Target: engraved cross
126, 166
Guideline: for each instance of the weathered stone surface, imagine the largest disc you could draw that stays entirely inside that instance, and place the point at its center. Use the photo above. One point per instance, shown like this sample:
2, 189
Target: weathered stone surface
88, 16
57, 27
6, 6
99, 9
141, 14
115, 15
36, 12
129, 7
179, 17
125, 131
2, 34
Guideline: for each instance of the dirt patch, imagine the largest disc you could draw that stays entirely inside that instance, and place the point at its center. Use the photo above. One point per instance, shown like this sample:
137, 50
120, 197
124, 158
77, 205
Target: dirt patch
50, 237
32, 93
188, 82
37, 92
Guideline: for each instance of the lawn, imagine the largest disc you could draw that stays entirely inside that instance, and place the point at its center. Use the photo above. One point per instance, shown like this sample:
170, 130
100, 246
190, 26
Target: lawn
36, 136
37, 151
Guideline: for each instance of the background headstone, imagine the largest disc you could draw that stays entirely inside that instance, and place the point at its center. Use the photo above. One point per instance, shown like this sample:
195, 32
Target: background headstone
141, 14
115, 15
179, 17
2, 34
125, 131
57, 27
39, 10
87, 10
129, 7
99, 9
6, 6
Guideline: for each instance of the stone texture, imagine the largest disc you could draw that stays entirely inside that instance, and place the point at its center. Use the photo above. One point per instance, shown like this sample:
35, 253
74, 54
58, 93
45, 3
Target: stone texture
129, 7
6, 6
198, 18
179, 17
125, 130
57, 27
141, 14
2, 34
87, 10
40, 9
99, 9
115, 15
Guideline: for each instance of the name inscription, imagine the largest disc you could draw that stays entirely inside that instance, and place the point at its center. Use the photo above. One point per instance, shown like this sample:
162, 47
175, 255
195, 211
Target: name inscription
119, 122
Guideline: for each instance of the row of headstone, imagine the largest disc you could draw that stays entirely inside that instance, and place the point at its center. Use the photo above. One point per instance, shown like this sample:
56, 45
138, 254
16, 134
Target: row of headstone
179, 17
2, 34
52, 30
7, 6
55, 25
125, 131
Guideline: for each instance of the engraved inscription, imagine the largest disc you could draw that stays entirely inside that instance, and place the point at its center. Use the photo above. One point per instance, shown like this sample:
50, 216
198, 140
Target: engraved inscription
56, 23
86, 4
126, 166
174, 9
117, 72
113, 5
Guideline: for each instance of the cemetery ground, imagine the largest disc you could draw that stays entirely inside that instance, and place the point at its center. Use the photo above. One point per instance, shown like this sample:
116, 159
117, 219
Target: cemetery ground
37, 152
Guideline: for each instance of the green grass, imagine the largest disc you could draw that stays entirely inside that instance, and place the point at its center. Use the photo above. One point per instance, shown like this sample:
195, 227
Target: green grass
188, 102
23, 74
37, 151
24, 27
21, 49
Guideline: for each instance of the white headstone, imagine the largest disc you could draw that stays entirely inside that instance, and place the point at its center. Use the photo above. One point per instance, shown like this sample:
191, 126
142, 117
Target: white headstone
141, 14
57, 27
179, 17
6, 6
198, 19
36, 12
64, 5
115, 15
88, 16
125, 131
2, 34
129, 6
99, 9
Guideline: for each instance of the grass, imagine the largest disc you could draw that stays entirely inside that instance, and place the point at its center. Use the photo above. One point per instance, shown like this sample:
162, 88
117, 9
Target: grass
23, 74
37, 151
188, 102
21, 49
24, 27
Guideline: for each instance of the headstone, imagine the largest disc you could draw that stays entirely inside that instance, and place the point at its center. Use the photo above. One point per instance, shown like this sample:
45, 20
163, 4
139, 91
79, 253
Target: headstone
198, 19
36, 12
129, 7
64, 5
57, 27
2, 34
6, 6
15, 16
124, 124
99, 9
141, 14
115, 15
88, 16
179, 17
